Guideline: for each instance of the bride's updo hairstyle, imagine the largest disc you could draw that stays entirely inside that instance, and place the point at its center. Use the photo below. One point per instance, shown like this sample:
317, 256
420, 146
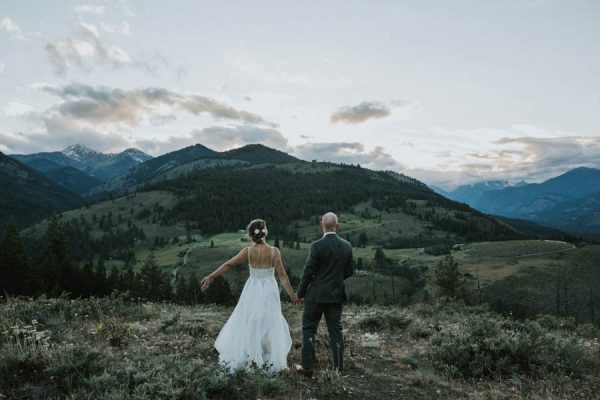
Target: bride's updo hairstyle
257, 229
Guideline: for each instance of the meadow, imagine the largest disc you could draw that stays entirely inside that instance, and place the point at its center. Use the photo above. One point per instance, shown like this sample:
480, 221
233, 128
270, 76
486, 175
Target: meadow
117, 348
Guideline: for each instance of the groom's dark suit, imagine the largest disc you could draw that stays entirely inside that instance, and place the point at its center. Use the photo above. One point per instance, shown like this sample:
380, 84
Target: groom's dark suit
329, 262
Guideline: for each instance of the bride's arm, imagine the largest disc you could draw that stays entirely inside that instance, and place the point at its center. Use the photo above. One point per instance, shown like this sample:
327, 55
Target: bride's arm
233, 261
283, 277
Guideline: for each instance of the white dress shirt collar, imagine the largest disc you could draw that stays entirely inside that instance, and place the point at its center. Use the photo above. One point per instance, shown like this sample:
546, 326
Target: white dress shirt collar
329, 233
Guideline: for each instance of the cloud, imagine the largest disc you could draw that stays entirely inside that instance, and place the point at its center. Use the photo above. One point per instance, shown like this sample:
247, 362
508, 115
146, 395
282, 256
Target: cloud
360, 113
84, 49
223, 138
536, 157
107, 119
533, 159
373, 110
349, 153
108, 106
219, 138
58, 135
123, 28
88, 9
13, 30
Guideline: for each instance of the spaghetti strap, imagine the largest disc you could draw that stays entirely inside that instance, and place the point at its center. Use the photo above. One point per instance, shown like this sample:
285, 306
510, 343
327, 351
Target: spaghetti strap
272, 257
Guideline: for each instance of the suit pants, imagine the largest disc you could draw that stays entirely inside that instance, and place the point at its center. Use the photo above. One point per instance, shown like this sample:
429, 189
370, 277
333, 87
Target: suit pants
310, 322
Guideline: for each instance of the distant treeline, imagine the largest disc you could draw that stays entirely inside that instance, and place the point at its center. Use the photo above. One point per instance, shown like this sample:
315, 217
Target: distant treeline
50, 269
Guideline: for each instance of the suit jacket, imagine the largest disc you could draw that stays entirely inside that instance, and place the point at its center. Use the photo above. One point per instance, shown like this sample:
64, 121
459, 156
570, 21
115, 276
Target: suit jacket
328, 264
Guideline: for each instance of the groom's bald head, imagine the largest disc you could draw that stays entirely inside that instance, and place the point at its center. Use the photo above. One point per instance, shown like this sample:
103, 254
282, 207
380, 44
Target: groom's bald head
329, 222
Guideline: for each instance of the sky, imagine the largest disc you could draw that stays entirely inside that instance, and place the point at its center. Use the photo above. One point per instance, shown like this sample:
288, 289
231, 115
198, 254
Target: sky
449, 92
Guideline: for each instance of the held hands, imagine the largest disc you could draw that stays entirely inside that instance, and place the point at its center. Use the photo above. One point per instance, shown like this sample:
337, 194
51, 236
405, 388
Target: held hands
297, 300
206, 281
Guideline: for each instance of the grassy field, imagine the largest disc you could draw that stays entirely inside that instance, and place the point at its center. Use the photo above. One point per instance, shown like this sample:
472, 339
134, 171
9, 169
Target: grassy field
112, 349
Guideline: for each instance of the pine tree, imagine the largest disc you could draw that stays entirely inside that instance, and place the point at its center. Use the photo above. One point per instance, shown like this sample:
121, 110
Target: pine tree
362, 239
100, 282
219, 292
15, 272
188, 232
448, 277
181, 288
88, 279
154, 282
54, 264
114, 279
381, 261
193, 293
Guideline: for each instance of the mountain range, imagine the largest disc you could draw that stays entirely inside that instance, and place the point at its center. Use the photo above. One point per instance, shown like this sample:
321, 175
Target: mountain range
471, 193
96, 165
221, 190
570, 202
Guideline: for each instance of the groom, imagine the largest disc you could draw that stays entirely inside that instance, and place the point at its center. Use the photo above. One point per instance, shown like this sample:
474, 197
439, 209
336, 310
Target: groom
322, 292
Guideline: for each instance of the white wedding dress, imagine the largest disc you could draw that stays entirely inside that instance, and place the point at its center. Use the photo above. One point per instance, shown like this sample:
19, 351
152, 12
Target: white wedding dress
256, 332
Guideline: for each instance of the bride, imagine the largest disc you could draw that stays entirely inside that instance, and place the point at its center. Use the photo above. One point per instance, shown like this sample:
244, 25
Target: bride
256, 332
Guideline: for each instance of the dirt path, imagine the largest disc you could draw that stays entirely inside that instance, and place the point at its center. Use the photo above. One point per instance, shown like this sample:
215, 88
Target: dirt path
573, 247
175, 271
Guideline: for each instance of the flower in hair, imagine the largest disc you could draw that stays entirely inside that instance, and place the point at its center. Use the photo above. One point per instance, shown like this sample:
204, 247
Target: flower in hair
257, 231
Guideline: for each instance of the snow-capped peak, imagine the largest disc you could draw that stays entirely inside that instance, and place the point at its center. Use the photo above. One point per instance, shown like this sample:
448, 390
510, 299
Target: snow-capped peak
76, 151
136, 154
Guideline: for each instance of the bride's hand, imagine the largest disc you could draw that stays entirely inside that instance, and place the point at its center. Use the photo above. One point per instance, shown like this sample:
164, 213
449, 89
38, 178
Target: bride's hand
294, 298
206, 281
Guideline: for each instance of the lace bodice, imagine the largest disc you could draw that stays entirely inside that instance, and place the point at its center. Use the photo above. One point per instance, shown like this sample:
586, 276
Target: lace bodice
261, 273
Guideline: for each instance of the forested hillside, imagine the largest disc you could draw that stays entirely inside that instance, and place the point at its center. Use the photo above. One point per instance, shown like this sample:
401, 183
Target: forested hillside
28, 196
226, 199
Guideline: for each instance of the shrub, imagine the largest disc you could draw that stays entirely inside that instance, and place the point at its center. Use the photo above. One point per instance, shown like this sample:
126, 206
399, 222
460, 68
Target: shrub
390, 321
484, 347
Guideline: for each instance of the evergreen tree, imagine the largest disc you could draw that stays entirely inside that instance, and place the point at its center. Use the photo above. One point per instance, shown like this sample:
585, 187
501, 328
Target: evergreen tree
128, 282
181, 287
15, 272
448, 278
114, 279
359, 263
212, 244
154, 283
219, 292
188, 232
381, 261
88, 279
101, 285
193, 293
54, 264
362, 239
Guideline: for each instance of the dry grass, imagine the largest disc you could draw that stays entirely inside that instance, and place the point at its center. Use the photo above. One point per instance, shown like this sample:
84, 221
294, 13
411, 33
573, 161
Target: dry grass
166, 351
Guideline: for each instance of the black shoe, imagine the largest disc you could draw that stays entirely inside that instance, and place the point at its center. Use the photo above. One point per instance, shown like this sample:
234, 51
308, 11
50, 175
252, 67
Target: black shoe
307, 372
